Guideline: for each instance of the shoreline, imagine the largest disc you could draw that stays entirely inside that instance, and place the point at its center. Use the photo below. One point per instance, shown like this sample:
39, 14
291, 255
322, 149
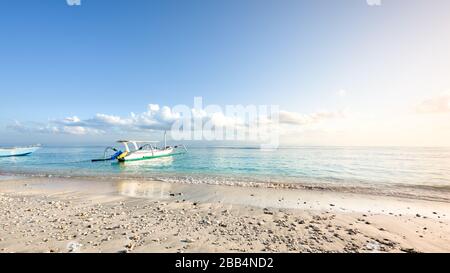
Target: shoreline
108, 215
415, 192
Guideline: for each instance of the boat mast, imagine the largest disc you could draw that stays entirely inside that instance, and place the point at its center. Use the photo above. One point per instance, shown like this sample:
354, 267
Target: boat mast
165, 138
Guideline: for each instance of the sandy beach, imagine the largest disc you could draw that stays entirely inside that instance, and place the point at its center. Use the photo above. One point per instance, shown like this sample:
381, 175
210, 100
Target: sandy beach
107, 215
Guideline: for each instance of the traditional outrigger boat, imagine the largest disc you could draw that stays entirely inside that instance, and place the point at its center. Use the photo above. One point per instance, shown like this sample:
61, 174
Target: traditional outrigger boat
18, 151
146, 151
136, 150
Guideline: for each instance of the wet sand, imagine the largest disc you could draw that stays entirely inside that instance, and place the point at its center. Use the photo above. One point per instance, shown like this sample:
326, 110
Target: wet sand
106, 215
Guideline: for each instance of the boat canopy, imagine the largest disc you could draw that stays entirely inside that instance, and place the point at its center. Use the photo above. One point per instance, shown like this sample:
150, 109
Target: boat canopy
135, 143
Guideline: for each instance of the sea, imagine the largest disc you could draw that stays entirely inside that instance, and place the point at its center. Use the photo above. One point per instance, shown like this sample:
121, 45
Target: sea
398, 171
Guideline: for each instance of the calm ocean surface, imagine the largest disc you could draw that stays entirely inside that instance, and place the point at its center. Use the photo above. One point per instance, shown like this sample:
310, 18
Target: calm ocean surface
383, 169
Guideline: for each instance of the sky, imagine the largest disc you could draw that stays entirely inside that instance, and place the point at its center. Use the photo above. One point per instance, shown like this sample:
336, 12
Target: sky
344, 73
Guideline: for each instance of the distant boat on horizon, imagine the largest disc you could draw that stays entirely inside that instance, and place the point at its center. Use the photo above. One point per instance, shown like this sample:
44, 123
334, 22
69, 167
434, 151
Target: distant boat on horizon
18, 151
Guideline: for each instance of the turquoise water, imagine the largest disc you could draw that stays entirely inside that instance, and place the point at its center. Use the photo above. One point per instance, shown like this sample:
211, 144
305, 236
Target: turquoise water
384, 169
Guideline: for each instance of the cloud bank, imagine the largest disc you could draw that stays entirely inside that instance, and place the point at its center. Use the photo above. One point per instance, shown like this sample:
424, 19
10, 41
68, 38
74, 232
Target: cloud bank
163, 118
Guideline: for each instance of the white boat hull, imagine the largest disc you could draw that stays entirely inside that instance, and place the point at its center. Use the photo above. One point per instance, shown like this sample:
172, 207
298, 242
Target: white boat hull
147, 154
17, 151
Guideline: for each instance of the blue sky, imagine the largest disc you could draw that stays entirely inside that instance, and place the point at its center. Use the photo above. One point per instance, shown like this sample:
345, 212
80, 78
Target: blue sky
115, 57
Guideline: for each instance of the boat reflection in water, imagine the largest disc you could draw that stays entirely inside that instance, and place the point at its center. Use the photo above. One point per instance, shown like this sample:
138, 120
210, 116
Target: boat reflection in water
145, 189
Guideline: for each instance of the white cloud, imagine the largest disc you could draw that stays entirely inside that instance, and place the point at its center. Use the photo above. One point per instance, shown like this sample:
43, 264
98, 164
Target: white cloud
303, 119
33, 127
110, 120
342, 93
373, 2
438, 104
73, 119
80, 130
74, 130
39, 128
153, 107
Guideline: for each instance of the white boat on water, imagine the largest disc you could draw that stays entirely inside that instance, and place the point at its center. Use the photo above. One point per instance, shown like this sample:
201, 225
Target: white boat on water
18, 151
136, 150
144, 150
